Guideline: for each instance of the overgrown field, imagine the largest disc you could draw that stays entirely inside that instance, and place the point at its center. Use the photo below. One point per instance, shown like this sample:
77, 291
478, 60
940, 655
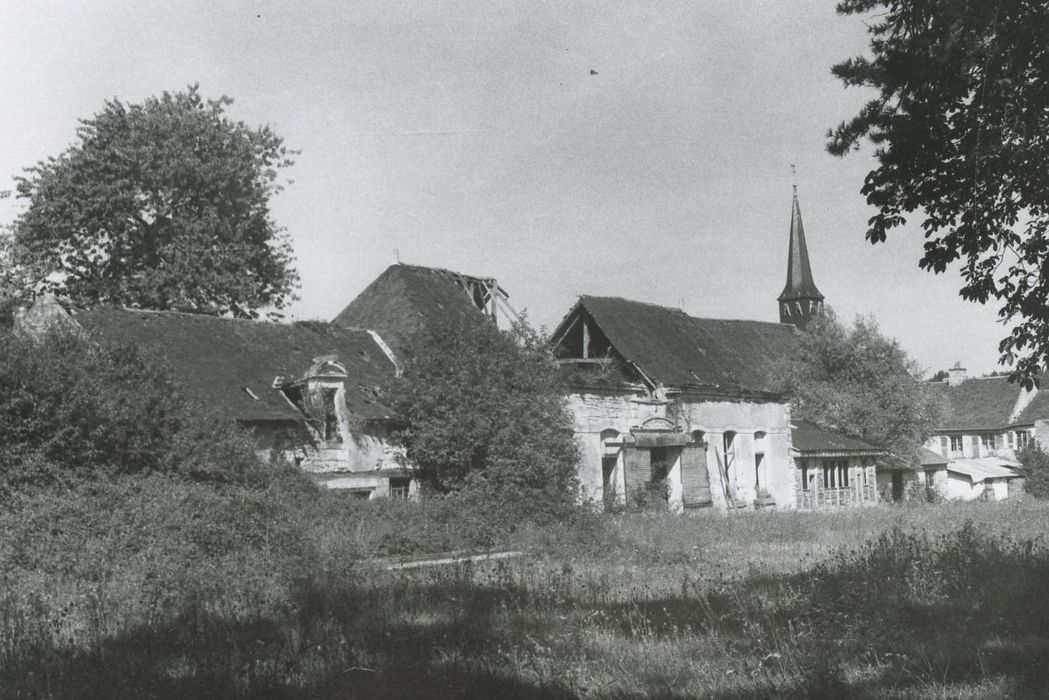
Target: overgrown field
159, 588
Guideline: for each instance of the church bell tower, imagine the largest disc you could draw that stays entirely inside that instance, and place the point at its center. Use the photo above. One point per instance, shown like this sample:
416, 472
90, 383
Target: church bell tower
800, 301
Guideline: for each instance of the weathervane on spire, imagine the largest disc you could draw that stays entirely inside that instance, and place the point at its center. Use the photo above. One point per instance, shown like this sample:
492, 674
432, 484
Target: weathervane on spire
794, 177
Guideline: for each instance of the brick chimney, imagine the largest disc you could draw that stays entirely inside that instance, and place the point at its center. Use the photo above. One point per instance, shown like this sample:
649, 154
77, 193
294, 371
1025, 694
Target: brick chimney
956, 375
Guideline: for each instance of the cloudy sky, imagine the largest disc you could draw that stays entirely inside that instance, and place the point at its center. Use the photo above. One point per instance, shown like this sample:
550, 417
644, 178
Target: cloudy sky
636, 149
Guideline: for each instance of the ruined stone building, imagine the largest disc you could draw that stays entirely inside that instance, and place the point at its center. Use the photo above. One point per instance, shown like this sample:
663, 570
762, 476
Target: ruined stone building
308, 390
682, 409
669, 408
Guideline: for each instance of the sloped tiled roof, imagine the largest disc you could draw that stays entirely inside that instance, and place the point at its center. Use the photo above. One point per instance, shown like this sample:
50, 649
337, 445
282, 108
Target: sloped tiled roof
928, 458
809, 438
217, 359
407, 299
682, 351
1038, 409
986, 403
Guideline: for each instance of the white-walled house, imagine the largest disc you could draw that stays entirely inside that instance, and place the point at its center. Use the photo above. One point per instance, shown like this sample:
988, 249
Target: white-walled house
988, 420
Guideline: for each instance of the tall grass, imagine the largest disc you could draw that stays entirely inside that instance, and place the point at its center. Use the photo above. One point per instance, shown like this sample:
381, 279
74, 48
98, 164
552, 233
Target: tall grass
161, 589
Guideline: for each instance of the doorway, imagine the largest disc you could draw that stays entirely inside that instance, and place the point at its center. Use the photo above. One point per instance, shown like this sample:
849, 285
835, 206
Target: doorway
897, 486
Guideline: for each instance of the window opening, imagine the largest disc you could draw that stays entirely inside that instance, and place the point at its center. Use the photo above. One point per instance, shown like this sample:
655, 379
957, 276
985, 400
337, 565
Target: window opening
331, 418
399, 488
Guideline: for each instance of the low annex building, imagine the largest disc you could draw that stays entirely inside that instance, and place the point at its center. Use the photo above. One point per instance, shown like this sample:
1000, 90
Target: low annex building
308, 390
833, 470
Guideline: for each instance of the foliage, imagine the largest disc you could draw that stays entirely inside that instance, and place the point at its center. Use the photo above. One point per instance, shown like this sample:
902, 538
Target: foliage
959, 127
940, 376
484, 411
1035, 463
857, 381
14, 286
160, 205
157, 587
71, 408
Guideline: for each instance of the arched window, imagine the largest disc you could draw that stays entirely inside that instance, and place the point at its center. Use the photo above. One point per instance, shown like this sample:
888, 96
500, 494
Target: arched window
728, 441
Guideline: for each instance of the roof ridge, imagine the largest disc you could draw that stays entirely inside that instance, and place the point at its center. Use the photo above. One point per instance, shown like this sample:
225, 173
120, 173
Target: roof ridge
298, 323
685, 313
443, 270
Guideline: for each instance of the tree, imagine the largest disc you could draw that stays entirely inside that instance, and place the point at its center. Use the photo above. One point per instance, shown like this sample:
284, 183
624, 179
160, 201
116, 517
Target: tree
484, 412
857, 381
961, 130
160, 205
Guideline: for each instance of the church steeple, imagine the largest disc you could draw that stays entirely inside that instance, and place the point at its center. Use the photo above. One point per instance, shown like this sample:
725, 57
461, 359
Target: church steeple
800, 301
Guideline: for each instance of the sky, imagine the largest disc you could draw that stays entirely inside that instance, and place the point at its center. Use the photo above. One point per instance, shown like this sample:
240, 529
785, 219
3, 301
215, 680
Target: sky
633, 149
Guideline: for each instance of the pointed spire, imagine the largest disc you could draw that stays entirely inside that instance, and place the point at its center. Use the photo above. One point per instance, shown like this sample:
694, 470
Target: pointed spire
800, 299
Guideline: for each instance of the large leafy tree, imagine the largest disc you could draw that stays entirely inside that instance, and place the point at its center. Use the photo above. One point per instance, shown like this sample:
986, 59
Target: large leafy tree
857, 381
484, 413
160, 205
960, 127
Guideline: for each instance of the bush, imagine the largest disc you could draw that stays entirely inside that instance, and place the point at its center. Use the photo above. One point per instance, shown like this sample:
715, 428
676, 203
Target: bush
1035, 467
72, 408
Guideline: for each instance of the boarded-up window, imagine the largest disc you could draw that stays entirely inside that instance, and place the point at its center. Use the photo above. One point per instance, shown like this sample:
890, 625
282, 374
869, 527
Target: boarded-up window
636, 469
695, 480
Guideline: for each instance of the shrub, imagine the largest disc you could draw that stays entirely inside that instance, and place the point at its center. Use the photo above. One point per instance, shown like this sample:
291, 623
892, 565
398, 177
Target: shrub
1035, 467
72, 408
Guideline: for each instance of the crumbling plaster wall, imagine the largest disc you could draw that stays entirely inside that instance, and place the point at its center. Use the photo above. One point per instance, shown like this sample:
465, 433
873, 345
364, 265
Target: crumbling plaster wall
596, 412
360, 447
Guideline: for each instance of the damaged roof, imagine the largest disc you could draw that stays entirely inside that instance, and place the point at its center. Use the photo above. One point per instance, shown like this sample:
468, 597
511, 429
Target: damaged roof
231, 364
407, 299
683, 351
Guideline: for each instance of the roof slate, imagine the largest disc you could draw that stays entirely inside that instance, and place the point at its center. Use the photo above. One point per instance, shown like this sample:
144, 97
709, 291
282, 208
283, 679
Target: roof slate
808, 437
407, 299
217, 359
983, 403
682, 351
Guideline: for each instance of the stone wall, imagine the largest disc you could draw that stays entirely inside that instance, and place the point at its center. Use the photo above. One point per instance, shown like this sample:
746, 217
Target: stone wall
709, 421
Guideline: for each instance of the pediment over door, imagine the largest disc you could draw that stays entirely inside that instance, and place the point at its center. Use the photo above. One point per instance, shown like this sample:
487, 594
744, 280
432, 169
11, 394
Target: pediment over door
659, 432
